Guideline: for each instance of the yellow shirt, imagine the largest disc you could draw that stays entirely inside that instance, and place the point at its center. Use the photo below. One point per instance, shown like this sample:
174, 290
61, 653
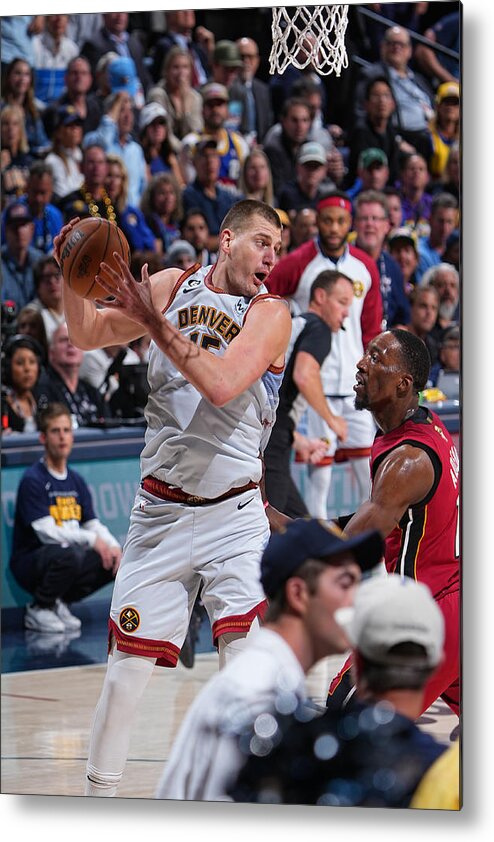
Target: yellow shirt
439, 789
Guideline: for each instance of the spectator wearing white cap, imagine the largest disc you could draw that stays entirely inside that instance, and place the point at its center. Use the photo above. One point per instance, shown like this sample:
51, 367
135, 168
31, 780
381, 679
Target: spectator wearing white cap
371, 753
154, 135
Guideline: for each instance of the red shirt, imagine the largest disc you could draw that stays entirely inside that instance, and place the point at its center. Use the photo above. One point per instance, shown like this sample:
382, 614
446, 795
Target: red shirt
425, 544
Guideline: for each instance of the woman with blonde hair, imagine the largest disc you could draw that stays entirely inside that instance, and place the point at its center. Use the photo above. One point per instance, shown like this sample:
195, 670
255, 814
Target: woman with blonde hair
175, 93
162, 207
15, 156
18, 89
256, 181
129, 218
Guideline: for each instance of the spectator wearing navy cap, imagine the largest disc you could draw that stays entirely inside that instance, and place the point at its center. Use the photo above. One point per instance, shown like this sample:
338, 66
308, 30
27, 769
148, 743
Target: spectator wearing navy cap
18, 256
65, 157
308, 571
47, 218
372, 753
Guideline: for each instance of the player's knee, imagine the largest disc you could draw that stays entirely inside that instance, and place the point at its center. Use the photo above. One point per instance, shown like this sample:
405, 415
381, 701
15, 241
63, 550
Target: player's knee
232, 644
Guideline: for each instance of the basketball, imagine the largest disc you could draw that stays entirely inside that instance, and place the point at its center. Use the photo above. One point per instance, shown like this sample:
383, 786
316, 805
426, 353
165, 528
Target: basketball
91, 241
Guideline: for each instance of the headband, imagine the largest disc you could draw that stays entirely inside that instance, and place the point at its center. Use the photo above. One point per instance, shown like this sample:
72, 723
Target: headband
335, 202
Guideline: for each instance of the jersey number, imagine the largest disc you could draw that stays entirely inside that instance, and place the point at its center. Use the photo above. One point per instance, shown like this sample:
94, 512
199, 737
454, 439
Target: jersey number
206, 341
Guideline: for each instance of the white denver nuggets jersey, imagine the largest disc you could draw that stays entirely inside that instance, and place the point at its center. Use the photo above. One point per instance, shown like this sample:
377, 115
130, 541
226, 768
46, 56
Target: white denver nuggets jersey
190, 443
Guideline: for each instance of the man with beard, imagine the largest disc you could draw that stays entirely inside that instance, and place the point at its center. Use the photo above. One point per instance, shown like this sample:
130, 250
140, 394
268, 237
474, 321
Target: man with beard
415, 494
444, 277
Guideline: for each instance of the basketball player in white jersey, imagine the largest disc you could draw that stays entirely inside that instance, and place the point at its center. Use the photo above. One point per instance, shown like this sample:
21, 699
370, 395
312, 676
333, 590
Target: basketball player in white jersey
198, 521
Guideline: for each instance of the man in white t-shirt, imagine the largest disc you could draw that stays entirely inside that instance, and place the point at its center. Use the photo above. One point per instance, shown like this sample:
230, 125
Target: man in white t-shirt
307, 572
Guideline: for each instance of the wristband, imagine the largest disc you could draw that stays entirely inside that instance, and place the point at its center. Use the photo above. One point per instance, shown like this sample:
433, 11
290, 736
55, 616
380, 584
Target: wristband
266, 504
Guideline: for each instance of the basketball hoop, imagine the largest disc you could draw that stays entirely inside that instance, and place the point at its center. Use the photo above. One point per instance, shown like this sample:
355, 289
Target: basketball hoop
309, 35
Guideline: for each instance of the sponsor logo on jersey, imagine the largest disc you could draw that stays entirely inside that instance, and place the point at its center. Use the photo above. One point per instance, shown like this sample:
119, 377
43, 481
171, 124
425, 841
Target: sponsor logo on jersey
241, 305
192, 284
129, 619
358, 289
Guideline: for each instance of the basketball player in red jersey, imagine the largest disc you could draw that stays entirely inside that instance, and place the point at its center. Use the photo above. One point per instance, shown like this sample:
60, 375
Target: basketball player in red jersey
415, 492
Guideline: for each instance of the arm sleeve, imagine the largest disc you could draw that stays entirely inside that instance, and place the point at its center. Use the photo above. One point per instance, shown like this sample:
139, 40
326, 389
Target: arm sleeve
47, 532
315, 340
372, 310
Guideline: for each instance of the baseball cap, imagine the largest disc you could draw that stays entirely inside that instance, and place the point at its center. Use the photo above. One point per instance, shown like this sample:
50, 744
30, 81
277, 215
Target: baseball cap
370, 156
311, 151
306, 538
203, 144
447, 89
17, 213
227, 53
451, 335
122, 75
67, 116
150, 112
403, 233
213, 90
389, 609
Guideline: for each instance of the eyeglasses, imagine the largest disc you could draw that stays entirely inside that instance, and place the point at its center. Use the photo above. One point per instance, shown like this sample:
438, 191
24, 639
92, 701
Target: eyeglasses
249, 55
397, 43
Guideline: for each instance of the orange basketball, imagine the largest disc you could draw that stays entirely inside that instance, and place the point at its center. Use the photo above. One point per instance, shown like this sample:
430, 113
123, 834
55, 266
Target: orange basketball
90, 242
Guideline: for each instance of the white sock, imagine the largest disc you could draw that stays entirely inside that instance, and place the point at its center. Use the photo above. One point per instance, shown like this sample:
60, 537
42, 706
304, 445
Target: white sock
231, 644
318, 485
125, 681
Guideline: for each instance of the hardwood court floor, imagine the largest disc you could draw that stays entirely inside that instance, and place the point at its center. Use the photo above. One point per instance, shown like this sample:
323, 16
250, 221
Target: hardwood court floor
46, 718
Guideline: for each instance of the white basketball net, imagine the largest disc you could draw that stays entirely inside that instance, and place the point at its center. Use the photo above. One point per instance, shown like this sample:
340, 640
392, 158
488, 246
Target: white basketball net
309, 35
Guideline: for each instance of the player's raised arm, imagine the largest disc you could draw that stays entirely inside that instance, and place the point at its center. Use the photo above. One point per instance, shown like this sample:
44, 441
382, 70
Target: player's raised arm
261, 342
91, 327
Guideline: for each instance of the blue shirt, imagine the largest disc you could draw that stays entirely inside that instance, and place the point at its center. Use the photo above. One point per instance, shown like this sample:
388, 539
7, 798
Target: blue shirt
396, 306
106, 135
138, 233
427, 257
41, 494
213, 209
46, 227
18, 281
16, 41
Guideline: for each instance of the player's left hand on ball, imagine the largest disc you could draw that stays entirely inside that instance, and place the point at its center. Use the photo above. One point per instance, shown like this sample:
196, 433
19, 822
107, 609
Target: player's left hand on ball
60, 238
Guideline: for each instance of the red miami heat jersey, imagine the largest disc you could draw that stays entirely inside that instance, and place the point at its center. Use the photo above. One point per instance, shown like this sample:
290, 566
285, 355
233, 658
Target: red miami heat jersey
425, 544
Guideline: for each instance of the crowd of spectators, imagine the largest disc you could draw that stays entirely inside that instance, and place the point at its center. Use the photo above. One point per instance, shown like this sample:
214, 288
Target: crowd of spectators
160, 123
